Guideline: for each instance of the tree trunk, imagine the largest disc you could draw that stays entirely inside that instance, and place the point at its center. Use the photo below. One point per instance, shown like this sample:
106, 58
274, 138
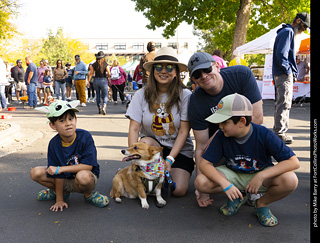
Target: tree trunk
241, 27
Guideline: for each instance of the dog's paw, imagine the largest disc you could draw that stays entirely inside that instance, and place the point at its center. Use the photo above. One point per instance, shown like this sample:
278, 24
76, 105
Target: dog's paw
161, 201
145, 205
118, 200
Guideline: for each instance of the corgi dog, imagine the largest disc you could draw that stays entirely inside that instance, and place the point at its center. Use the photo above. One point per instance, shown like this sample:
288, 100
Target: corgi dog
145, 175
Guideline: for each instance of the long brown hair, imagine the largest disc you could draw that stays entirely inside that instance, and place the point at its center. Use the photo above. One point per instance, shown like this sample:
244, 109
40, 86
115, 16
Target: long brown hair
152, 96
100, 62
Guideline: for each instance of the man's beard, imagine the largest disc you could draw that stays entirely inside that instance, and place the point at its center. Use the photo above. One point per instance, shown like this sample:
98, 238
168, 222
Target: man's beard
298, 29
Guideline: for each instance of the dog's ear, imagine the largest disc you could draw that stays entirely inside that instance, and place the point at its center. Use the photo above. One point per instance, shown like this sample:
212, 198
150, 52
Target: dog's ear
155, 150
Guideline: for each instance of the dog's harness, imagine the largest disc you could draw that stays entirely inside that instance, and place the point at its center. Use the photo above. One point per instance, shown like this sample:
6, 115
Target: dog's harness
154, 171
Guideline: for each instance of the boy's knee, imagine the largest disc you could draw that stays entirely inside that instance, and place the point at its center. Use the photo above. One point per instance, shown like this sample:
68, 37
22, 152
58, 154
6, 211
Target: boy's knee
180, 191
291, 181
200, 182
36, 173
84, 177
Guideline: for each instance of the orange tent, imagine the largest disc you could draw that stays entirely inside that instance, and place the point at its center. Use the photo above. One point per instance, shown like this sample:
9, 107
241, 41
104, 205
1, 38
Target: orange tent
305, 46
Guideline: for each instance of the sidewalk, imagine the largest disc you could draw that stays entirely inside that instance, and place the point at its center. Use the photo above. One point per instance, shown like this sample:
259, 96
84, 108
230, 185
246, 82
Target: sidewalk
23, 217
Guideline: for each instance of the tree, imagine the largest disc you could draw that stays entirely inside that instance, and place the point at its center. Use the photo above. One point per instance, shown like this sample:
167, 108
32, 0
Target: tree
8, 10
230, 22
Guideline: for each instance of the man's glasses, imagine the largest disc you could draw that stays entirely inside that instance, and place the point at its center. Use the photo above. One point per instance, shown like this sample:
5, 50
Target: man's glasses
169, 68
197, 74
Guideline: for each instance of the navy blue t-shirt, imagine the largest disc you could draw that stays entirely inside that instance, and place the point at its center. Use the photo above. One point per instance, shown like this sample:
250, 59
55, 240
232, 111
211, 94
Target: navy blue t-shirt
31, 68
251, 156
236, 79
82, 151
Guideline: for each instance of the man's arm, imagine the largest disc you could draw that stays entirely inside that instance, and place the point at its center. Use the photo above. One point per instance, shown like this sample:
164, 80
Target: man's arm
257, 116
29, 77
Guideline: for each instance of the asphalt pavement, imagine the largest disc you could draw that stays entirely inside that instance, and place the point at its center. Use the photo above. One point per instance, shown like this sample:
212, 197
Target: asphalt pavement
25, 219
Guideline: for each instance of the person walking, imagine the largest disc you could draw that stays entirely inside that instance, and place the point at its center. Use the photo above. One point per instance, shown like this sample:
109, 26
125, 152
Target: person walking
284, 68
118, 81
91, 90
59, 76
80, 72
100, 82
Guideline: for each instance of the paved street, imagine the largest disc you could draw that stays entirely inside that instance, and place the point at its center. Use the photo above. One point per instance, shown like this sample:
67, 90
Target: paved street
25, 219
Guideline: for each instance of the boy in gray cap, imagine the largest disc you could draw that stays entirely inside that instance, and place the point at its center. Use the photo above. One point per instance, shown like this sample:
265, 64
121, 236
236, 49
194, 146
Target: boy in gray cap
246, 149
213, 85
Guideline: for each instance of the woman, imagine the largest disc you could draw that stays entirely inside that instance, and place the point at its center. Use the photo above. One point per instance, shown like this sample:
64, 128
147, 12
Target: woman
40, 85
59, 82
158, 114
100, 82
118, 81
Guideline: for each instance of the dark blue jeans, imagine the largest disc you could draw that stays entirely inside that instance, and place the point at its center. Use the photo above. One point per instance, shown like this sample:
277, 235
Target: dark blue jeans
32, 94
101, 87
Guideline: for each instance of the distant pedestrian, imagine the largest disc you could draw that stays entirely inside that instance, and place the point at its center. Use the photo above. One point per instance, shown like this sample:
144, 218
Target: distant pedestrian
117, 81
69, 81
100, 83
17, 72
284, 68
237, 60
148, 57
3, 83
130, 87
137, 76
47, 82
40, 85
31, 79
80, 72
303, 69
217, 55
91, 90
59, 82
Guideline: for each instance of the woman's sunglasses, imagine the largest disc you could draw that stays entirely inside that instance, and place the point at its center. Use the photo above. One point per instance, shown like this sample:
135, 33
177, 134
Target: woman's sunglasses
169, 68
197, 74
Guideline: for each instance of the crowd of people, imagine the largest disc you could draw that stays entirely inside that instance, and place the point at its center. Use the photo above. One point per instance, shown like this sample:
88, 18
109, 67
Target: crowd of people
233, 150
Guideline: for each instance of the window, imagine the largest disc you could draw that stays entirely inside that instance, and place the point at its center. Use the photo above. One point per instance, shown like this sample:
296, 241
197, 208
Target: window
138, 46
101, 46
174, 45
120, 46
158, 45
186, 45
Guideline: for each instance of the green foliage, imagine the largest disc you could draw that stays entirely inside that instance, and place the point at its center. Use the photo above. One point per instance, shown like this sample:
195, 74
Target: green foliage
8, 10
214, 20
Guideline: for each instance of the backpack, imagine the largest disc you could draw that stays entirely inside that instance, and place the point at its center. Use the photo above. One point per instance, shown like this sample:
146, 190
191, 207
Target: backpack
115, 73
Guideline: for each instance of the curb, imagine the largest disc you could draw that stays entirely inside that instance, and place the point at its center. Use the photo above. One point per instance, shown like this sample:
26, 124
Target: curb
7, 136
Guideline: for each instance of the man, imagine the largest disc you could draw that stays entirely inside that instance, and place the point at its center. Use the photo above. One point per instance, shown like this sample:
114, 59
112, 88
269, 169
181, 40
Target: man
214, 84
17, 73
303, 69
80, 72
284, 68
148, 57
31, 79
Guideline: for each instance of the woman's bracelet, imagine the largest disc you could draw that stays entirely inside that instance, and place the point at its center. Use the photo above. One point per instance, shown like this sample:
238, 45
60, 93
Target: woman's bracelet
227, 188
171, 158
57, 170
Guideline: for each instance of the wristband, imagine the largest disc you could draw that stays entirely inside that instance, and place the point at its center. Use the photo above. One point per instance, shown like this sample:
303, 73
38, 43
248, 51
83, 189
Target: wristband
169, 161
171, 158
57, 170
227, 188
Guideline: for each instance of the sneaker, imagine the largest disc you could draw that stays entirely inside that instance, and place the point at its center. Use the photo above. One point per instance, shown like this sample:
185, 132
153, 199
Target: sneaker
98, 200
286, 139
83, 104
266, 218
231, 208
49, 194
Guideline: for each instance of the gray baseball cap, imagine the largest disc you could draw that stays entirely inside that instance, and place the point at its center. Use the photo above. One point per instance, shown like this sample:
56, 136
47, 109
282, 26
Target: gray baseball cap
199, 60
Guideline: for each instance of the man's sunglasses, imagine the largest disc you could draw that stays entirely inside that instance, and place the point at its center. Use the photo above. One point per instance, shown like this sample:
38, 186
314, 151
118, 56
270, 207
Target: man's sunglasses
169, 67
197, 74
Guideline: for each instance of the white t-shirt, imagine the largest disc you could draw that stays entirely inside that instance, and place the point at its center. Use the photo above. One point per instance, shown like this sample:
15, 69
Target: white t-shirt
160, 125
